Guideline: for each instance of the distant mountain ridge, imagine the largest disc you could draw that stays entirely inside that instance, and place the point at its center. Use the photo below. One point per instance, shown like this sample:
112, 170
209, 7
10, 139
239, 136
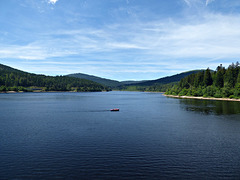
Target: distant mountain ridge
10, 77
114, 83
167, 79
132, 82
103, 81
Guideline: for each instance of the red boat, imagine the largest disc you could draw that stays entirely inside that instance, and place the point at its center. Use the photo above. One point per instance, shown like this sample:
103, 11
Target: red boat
116, 109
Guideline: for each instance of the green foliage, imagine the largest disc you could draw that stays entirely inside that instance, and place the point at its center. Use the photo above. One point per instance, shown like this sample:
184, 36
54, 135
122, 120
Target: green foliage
15, 80
175, 90
167, 80
105, 82
220, 83
159, 85
209, 91
153, 88
3, 88
207, 78
230, 77
183, 92
218, 94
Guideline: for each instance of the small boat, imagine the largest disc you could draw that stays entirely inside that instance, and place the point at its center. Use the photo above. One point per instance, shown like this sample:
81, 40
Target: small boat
115, 109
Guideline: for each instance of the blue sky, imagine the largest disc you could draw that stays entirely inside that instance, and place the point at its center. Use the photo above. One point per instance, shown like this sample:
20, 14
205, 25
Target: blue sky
119, 39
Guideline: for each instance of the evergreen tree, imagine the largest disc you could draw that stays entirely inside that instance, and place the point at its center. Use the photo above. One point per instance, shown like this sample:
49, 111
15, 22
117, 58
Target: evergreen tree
208, 81
198, 81
238, 78
219, 81
230, 77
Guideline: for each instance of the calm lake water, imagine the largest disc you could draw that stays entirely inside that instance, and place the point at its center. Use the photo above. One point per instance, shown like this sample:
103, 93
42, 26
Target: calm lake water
75, 136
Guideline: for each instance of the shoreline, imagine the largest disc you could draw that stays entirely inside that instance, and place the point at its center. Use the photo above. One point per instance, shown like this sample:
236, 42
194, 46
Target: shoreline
202, 98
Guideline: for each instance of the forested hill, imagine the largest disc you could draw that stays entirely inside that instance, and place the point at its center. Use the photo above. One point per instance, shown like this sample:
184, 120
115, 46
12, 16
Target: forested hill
16, 80
221, 83
168, 79
158, 85
7, 69
106, 82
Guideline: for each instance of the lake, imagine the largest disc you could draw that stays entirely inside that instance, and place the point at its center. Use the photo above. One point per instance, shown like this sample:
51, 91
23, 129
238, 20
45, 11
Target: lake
76, 136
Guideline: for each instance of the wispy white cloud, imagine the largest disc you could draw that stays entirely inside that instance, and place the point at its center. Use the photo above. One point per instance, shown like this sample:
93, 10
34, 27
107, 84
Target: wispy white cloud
187, 2
208, 2
135, 46
52, 1
215, 36
190, 3
119, 45
33, 52
193, 3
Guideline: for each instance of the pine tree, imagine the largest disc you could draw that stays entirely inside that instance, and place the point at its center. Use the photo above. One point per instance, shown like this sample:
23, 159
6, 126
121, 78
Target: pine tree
219, 81
208, 81
198, 81
238, 78
230, 77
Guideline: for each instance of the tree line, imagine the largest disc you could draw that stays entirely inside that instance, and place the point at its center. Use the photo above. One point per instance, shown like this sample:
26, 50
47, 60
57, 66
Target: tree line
153, 88
221, 83
15, 80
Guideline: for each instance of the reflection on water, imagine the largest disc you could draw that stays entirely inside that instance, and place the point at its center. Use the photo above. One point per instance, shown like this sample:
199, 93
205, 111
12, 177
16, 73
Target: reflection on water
211, 106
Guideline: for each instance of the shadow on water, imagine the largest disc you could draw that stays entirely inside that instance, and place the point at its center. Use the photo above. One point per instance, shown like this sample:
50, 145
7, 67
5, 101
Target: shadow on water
211, 106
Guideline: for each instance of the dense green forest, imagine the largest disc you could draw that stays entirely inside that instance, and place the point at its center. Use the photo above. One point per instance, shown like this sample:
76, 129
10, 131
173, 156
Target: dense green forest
158, 85
103, 81
154, 88
167, 80
221, 83
16, 80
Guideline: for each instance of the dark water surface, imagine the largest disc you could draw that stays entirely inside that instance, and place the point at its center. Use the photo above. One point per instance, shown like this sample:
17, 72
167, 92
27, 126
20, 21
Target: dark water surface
75, 136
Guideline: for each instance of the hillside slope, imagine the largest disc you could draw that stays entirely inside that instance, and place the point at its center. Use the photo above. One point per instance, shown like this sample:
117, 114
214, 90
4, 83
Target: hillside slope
168, 79
16, 80
103, 81
158, 85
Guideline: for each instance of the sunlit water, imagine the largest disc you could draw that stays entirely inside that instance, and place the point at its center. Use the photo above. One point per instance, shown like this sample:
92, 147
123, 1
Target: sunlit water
75, 136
